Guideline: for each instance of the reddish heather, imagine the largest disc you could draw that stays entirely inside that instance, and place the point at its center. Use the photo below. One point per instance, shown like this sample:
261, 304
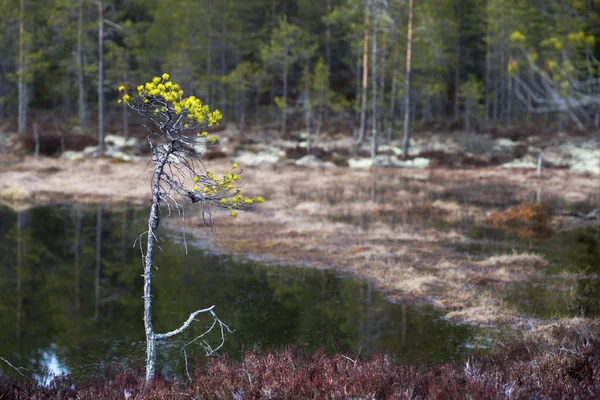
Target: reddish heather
524, 370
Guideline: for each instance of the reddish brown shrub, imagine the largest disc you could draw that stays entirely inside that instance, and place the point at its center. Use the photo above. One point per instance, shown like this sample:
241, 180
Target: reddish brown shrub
524, 370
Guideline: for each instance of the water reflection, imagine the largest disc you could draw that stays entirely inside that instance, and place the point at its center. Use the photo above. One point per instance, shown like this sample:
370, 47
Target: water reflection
70, 299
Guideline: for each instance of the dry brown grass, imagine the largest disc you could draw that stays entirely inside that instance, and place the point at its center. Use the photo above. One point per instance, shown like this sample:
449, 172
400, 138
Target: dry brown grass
408, 259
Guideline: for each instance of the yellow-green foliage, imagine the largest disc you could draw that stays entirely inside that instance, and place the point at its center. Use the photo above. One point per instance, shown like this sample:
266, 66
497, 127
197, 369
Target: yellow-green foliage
517, 37
553, 43
164, 102
160, 96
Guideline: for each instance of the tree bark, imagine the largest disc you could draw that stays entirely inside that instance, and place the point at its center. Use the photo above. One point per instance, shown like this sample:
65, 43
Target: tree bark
153, 221
393, 95
406, 141
374, 116
101, 133
488, 67
328, 37
125, 114
365, 75
22, 124
285, 93
81, 102
382, 91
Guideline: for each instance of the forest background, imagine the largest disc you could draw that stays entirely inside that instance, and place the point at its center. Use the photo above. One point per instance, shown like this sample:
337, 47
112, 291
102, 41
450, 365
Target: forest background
298, 63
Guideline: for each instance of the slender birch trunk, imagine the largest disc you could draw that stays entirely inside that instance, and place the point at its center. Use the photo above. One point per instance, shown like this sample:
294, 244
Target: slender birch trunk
382, 91
22, 71
125, 114
406, 141
365, 75
81, 102
285, 94
393, 95
307, 109
101, 133
328, 37
374, 115
488, 67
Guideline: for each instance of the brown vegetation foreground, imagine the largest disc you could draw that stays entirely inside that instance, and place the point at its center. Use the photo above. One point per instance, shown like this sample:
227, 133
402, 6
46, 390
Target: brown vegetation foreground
373, 223
561, 361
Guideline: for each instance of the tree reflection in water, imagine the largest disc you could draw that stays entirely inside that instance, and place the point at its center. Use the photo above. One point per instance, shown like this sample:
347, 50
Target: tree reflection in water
71, 287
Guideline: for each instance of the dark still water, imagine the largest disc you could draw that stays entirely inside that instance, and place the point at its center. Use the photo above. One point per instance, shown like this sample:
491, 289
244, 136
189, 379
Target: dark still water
71, 287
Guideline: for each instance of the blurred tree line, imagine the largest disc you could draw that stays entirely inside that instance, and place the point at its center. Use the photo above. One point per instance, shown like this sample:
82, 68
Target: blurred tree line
306, 63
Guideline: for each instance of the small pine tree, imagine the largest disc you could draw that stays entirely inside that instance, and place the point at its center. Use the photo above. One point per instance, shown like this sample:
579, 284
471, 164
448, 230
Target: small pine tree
180, 175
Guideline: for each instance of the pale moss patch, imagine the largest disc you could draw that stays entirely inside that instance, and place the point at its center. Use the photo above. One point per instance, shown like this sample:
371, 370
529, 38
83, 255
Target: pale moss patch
15, 193
522, 259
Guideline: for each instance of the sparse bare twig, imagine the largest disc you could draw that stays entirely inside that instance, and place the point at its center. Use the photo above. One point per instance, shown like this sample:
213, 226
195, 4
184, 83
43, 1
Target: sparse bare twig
18, 369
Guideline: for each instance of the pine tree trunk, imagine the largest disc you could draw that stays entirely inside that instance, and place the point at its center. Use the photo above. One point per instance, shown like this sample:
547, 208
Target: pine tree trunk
365, 75
81, 101
22, 124
393, 95
125, 115
509, 101
457, 81
285, 93
488, 67
153, 222
458, 61
357, 86
374, 116
406, 141
257, 106
328, 37
101, 134
382, 91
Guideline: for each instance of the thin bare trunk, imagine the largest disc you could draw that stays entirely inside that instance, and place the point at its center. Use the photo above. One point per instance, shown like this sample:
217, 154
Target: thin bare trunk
153, 221
319, 125
488, 67
458, 61
209, 55
243, 122
501, 92
374, 115
307, 110
257, 106
81, 103
125, 114
509, 101
365, 75
357, 85
406, 141
328, 37
393, 95
101, 133
457, 81
22, 85
382, 91
285, 93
